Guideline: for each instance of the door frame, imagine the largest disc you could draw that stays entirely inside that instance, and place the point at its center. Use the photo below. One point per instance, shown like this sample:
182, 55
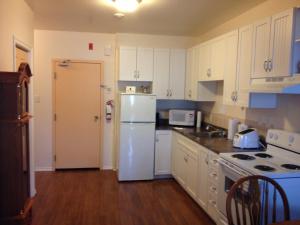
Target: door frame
28, 48
101, 63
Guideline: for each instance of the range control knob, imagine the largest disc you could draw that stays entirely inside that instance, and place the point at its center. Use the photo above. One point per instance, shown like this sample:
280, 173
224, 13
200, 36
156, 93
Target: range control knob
275, 137
291, 139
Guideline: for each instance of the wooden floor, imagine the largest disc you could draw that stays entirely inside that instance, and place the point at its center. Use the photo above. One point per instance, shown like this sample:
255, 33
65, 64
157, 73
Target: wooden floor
96, 198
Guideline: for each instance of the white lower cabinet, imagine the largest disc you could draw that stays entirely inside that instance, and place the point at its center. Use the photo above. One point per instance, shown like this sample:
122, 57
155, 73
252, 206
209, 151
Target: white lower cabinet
163, 143
196, 170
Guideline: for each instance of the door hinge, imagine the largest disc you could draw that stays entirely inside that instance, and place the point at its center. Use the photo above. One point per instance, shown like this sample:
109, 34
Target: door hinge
54, 117
54, 158
54, 75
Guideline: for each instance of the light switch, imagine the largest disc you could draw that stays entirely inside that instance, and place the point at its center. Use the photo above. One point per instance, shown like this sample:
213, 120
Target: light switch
108, 50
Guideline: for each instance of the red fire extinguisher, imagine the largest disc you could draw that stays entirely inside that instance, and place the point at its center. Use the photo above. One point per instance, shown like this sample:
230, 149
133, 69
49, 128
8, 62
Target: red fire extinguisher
108, 113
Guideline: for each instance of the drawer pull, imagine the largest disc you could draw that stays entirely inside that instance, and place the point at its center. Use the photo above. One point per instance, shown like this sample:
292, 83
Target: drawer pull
213, 189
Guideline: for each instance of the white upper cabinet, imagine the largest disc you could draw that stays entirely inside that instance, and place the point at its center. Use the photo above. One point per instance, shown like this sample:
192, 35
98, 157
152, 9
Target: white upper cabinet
161, 73
272, 45
135, 64
127, 64
218, 50
177, 73
169, 73
191, 84
212, 59
238, 72
145, 64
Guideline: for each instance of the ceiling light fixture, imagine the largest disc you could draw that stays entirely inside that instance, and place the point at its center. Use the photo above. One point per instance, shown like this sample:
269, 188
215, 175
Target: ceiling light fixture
127, 6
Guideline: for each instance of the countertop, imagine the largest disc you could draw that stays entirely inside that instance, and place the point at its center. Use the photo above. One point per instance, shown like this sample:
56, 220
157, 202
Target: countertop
216, 144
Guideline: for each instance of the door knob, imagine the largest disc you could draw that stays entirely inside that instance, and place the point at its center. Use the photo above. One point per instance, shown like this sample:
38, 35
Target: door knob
96, 118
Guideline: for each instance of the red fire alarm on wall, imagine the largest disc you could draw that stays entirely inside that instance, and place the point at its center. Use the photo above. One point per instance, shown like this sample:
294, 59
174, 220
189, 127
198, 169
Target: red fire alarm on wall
91, 46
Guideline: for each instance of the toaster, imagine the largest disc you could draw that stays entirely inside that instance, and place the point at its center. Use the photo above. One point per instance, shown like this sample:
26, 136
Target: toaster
246, 139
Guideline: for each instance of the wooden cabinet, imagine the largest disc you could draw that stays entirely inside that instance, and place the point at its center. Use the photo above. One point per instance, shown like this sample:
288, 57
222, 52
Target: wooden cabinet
169, 73
15, 204
238, 72
163, 144
272, 45
135, 64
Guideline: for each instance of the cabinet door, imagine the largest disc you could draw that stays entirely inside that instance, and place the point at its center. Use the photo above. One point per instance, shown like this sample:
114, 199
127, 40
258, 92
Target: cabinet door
181, 159
127, 64
230, 68
161, 73
204, 62
244, 65
281, 44
177, 73
189, 71
145, 64
202, 189
163, 153
192, 174
218, 50
261, 46
195, 72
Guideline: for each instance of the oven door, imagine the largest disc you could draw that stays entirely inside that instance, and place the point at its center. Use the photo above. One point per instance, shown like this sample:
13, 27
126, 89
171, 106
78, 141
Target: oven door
228, 175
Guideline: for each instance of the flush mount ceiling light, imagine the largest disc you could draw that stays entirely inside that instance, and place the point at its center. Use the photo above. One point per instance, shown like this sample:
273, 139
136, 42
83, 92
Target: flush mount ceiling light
127, 6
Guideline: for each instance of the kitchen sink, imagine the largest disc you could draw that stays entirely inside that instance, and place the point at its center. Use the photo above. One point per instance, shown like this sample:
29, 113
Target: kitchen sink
210, 132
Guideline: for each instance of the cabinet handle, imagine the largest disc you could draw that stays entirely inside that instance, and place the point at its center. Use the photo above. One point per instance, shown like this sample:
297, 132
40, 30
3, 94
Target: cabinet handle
190, 93
235, 96
213, 189
266, 65
171, 92
215, 161
168, 92
185, 159
232, 96
270, 65
208, 73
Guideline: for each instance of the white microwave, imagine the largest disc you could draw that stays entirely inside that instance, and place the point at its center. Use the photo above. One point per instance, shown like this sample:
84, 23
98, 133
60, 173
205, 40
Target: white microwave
182, 117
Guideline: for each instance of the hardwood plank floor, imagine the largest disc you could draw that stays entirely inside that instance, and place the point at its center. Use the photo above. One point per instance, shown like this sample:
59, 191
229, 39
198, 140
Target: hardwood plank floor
97, 198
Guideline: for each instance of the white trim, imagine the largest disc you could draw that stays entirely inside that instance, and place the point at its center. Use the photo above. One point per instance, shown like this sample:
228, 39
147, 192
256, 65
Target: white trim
107, 168
44, 169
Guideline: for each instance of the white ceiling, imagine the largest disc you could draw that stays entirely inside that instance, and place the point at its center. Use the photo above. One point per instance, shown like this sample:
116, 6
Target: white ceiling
166, 17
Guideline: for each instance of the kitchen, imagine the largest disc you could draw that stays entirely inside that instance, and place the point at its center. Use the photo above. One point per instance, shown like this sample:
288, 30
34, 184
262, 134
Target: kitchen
278, 111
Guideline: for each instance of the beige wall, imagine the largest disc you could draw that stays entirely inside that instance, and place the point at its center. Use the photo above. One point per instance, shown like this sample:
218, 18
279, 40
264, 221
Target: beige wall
16, 20
50, 45
73, 45
286, 115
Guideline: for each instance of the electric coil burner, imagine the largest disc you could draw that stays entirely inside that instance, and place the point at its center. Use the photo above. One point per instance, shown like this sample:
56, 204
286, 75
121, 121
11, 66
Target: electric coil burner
291, 166
243, 157
264, 168
263, 155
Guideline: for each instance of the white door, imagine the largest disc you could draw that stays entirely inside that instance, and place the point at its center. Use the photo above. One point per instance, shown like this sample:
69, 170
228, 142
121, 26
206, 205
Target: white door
127, 64
163, 144
181, 164
230, 68
136, 159
161, 73
177, 73
204, 62
281, 44
145, 64
138, 108
244, 65
77, 110
202, 192
218, 50
261, 46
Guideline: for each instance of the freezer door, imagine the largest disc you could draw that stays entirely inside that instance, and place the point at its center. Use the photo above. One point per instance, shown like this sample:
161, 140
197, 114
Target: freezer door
136, 159
138, 108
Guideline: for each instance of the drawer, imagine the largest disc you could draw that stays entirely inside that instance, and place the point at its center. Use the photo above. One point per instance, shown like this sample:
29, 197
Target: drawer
213, 177
212, 188
212, 207
213, 162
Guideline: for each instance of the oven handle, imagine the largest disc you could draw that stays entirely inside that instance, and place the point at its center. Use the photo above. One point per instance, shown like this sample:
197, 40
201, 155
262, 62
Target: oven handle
233, 168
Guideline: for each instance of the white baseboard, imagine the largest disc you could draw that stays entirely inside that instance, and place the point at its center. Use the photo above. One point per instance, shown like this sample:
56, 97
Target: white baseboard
44, 169
107, 168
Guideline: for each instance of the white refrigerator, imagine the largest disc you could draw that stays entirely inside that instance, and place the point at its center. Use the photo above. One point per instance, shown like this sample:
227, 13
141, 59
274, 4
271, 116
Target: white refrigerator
137, 136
